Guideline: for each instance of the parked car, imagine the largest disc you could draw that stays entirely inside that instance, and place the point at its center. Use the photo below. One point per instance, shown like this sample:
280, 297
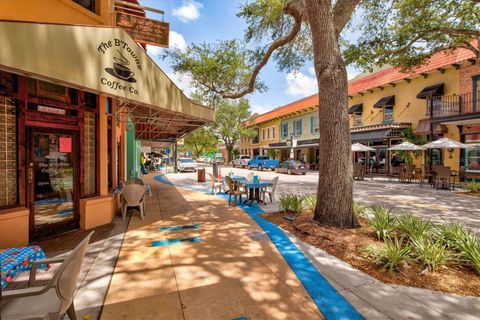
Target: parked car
202, 159
218, 159
292, 167
262, 162
186, 164
241, 161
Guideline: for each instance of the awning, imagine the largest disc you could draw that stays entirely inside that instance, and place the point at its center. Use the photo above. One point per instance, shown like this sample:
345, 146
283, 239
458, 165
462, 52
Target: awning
378, 135
423, 128
385, 102
106, 61
356, 108
435, 90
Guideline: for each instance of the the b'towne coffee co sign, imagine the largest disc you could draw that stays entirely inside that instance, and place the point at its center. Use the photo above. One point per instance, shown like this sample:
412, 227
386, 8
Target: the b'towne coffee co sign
144, 30
125, 64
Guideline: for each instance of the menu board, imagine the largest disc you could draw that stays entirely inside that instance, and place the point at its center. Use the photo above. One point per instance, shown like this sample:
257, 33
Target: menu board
65, 144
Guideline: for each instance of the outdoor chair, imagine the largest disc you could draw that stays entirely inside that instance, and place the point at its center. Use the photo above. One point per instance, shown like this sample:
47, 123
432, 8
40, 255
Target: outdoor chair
358, 171
234, 191
133, 196
442, 179
408, 173
52, 300
215, 184
250, 176
270, 190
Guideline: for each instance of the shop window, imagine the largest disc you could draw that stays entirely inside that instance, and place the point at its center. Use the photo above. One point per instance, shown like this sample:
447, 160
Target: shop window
285, 130
89, 153
263, 134
87, 4
297, 127
8, 82
436, 156
314, 125
388, 114
357, 119
257, 136
472, 155
8, 153
47, 90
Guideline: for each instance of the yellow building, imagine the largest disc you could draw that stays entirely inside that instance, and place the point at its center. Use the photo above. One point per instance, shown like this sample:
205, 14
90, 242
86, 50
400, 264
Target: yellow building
267, 133
69, 82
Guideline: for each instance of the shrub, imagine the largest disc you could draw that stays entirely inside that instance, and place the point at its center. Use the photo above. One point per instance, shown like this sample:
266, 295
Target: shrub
414, 227
467, 245
390, 254
310, 202
383, 221
290, 202
472, 186
430, 254
358, 209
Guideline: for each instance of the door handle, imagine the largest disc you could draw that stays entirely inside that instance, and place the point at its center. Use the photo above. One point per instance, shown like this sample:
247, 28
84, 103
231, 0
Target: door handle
30, 173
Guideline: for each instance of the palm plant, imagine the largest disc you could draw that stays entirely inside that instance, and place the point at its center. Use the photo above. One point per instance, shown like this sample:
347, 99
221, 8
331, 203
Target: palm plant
383, 221
390, 254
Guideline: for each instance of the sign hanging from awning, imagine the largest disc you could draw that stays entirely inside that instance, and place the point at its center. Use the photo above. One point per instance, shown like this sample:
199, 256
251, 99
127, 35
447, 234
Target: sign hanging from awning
144, 30
102, 60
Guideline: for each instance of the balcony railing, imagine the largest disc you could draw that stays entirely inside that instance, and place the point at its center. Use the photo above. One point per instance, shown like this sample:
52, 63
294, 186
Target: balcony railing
453, 105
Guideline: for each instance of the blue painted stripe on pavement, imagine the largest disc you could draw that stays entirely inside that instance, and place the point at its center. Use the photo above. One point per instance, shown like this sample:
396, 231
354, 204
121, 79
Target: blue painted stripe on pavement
169, 242
332, 304
184, 227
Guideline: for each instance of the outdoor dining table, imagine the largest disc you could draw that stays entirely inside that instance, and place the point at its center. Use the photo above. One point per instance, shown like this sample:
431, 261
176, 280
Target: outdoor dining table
15, 260
254, 190
236, 179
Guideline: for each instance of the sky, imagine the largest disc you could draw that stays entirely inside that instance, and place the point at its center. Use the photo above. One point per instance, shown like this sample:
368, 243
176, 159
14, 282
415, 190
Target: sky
211, 20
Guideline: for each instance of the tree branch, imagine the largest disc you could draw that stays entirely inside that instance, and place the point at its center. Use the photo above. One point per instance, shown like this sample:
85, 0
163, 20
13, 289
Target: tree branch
342, 12
295, 11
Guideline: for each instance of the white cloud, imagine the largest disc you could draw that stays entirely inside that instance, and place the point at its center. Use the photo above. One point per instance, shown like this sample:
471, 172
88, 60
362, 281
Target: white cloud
177, 41
260, 108
183, 81
300, 84
189, 11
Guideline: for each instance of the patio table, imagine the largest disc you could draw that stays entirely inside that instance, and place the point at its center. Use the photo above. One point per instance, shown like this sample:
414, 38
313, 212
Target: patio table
236, 180
15, 260
254, 190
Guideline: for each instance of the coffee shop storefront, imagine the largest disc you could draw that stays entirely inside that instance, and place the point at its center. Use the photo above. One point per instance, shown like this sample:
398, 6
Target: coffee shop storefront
66, 93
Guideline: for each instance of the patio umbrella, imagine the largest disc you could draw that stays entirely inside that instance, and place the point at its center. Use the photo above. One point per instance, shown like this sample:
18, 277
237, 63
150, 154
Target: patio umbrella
406, 146
361, 147
445, 143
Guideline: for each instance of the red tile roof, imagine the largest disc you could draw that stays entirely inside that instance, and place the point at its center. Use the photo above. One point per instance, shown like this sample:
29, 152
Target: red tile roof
380, 78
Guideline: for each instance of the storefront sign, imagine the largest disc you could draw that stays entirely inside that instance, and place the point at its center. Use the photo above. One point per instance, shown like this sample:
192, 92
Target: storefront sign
51, 110
144, 30
65, 144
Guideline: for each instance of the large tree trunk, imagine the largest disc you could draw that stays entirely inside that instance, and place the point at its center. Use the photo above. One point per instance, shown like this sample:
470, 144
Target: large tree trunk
229, 152
335, 181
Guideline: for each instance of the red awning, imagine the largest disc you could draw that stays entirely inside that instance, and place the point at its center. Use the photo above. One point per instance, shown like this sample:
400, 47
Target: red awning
423, 128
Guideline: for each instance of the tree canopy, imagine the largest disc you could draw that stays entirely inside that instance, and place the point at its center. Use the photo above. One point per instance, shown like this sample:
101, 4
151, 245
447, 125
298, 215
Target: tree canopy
406, 33
201, 141
228, 125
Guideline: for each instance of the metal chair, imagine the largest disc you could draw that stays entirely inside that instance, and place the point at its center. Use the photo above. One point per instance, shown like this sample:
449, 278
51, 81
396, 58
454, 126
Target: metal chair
54, 299
133, 196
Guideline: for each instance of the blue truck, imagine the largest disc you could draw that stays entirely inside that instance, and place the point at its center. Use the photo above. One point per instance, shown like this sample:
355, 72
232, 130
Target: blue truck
262, 162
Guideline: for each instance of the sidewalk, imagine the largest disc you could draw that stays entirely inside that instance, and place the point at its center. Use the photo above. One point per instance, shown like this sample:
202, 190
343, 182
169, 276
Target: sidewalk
233, 271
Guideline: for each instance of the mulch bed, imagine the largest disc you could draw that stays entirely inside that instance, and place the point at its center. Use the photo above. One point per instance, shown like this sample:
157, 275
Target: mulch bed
466, 193
348, 245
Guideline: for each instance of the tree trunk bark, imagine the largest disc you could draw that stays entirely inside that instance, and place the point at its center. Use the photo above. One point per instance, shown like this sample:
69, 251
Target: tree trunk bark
335, 180
229, 152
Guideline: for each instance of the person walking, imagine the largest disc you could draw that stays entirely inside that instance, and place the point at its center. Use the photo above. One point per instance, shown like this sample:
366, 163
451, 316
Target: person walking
142, 164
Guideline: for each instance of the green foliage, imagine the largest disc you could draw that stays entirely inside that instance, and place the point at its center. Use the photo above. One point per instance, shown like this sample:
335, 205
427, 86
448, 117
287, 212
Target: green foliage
406, 32
413, 227
472, 186
290, 202
383, 221
310, 202
358, 209
464, 242
430, 254
390, 254
229, 116
201, 141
